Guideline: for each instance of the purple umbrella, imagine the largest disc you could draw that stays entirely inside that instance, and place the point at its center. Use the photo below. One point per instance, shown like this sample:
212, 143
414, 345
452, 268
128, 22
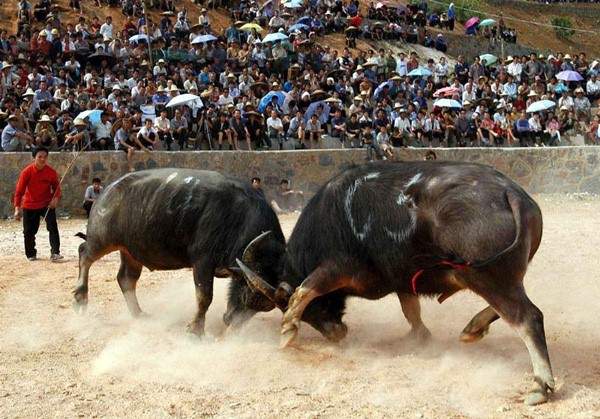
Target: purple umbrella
569, 75
471, 22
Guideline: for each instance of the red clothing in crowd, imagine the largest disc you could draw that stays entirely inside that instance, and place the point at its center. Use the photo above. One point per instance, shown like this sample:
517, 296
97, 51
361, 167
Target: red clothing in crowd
36, 187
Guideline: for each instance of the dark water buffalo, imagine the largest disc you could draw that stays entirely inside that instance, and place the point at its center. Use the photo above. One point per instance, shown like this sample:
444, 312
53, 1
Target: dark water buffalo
176, 218
416, 228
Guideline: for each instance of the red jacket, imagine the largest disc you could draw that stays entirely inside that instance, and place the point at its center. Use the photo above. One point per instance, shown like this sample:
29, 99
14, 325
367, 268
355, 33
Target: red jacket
36, 187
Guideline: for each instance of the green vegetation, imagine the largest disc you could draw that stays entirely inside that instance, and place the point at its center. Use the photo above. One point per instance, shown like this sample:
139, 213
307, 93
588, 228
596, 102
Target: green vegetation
563, 28
462, 15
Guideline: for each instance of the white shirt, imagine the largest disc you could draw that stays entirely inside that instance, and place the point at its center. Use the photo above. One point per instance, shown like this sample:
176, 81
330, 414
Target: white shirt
106, 30
103, 130
274, 123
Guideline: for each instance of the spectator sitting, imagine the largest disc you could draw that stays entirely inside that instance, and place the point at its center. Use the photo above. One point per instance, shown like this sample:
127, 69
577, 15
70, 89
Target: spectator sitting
92, 193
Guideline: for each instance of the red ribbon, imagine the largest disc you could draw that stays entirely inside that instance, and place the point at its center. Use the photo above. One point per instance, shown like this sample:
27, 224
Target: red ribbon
419, 273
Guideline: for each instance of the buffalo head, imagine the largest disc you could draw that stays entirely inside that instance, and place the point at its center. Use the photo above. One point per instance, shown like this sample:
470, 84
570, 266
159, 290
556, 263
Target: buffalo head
277, 285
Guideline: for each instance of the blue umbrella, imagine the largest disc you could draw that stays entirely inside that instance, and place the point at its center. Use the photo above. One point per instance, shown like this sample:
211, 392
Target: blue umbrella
92, 115
298, 27
306, 20
420, 72
274, 37
560, 88
379, 88
293, 4
312, 108
569, 75
262, 105
447, 103
540, 105
201, 39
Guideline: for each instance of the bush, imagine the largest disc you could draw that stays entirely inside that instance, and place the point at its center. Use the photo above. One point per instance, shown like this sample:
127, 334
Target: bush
563, 28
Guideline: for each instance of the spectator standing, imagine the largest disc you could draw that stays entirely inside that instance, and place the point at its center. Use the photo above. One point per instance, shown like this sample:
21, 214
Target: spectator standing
36, 196
92, 193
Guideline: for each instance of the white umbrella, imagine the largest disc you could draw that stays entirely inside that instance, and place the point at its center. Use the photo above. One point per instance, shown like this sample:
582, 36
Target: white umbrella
447, 103
138, 38
540, 105
186, 99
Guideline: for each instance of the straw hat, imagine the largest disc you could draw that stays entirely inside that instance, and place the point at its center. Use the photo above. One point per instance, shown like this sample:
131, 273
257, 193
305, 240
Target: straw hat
567, 57
79, 122
116, 87
45, 118
6, 65
174, 88
29, 92
358, 98
579, 90
160, 89
532, 94
161, 61
509, 59
13, 117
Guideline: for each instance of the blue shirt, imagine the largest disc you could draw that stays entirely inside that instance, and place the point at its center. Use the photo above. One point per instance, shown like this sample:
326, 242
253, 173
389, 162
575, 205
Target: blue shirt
8, 133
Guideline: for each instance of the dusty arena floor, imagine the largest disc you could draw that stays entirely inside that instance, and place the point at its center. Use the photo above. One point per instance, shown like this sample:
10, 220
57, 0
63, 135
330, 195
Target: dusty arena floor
55, 363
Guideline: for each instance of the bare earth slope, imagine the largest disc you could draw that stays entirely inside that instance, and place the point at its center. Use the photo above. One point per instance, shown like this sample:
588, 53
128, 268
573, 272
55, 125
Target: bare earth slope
56, 363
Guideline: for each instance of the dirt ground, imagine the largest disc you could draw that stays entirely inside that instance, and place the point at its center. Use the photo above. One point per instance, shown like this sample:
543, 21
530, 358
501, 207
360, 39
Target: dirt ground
55, 363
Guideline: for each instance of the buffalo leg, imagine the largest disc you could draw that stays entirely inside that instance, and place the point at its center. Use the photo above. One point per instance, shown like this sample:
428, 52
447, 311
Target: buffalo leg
516, 309
479, 326
412, 311
80, 293
128, 275
203, 281
321, 281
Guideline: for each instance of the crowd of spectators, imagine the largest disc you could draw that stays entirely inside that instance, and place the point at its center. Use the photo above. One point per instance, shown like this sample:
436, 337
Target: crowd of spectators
269, 81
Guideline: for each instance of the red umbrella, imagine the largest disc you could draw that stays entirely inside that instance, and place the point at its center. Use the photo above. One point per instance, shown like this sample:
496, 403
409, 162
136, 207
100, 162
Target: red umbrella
446, 92
471, 22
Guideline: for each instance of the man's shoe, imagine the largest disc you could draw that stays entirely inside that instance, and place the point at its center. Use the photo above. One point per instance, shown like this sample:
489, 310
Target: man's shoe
32, 259
56, 257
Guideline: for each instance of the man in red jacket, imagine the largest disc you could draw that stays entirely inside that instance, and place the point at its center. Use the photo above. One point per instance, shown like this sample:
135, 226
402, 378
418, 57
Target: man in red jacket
38, 192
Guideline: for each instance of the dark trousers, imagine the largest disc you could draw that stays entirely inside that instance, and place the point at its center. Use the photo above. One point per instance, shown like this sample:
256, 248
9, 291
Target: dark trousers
31, 224
87, 206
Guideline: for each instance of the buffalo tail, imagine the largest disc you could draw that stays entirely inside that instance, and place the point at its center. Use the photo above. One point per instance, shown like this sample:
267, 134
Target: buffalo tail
81, 235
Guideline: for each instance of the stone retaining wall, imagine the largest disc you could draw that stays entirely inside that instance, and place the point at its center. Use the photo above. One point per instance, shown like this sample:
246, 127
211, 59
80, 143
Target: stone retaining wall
538, 170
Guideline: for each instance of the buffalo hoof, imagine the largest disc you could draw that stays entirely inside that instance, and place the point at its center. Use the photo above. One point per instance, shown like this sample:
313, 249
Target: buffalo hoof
419, 335
335, 332
195, 329
81, 300
469, 335
536, 397
289, 332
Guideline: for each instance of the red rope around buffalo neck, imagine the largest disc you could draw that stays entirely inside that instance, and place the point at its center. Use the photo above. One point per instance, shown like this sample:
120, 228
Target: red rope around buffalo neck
419, 273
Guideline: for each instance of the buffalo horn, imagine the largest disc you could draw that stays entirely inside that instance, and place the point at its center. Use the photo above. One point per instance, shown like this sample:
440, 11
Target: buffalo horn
249, 253
255, 282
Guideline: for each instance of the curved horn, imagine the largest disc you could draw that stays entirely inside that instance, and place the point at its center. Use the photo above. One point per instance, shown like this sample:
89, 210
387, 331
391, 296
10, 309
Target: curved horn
250, 250
255, 282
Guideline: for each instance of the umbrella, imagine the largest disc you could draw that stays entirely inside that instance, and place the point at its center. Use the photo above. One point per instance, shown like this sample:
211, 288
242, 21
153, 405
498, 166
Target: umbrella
560, 88
93, 115
138, 38
97, 58
293, 4
274, 37
420, 72
446, 91
201, 39
447, 103
488, 59
540, 105
306, 20
298, 27
487, 22
471, 22
569, 75
318, 95
351, 29
380, 88
186, 99
312, 108
250, 26
262, 105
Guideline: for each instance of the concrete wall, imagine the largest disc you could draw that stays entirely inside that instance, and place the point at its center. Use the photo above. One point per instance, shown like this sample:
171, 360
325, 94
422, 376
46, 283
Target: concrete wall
538, 170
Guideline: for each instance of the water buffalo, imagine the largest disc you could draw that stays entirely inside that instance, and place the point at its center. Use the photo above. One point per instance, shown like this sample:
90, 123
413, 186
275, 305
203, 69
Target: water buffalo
168, 219
411, 228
